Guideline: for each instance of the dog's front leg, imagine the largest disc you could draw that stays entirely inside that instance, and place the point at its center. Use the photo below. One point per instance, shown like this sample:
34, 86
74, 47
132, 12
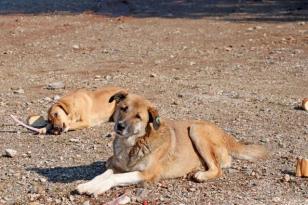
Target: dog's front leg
100, 184
77, 125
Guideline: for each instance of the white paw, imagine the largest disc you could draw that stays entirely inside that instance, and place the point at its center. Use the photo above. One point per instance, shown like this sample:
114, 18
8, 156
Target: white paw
95, 187
200, 176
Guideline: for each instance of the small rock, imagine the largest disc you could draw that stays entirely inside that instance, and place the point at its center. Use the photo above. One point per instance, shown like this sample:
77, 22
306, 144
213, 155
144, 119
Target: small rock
192, 63
74, 140
56, 97
19, 91
43, 180
86, 203
108, 77
36, 121
302, 23
287, 178
153, 75
10, 153
124, 200
56, 85
75, 46
97, 77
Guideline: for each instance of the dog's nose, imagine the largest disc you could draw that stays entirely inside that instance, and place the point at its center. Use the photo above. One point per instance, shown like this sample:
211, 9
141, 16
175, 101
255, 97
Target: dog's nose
120, 126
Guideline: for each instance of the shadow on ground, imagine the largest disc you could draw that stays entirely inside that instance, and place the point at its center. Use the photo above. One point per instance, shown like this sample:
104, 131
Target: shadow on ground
70, 174
254, 10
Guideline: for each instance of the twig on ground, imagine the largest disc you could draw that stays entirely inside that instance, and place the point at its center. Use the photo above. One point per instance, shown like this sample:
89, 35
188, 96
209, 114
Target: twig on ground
26, 126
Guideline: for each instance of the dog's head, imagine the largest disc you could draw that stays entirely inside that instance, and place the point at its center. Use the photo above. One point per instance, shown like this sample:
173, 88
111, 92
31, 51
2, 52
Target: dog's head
133, 114
58, 117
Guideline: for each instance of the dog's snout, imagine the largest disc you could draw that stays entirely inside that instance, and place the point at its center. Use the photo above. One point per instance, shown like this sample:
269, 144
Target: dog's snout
120, 126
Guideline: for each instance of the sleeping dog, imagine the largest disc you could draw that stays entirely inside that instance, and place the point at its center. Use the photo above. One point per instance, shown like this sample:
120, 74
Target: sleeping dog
82, 109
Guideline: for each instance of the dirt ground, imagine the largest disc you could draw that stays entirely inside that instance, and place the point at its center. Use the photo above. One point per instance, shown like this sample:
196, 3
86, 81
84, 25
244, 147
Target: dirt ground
240, 64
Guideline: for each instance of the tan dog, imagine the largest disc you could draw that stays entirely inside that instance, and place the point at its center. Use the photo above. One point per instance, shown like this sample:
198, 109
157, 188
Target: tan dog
82, 109
147, 149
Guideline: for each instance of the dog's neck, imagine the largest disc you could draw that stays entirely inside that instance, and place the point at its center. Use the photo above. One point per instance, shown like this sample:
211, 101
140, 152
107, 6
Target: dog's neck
133, 140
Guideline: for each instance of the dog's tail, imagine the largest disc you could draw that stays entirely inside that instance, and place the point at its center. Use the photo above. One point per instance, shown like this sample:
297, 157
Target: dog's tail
249, 152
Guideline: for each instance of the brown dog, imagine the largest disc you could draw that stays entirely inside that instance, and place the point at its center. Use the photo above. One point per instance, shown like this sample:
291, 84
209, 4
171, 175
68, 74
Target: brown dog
147, 149
82, 109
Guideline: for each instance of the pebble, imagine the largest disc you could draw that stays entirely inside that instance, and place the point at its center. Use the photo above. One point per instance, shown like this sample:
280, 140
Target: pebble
108, 77
287, 178
75, 46
124, 200
56, 85
74, 140
43, 180
56, 97
175, 102
10, 153
19, 91
153, 75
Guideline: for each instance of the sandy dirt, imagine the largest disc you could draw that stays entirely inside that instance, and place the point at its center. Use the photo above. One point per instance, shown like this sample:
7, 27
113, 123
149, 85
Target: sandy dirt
242, 65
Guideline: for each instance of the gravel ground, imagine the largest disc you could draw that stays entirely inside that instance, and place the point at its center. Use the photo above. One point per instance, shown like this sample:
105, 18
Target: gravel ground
244, 67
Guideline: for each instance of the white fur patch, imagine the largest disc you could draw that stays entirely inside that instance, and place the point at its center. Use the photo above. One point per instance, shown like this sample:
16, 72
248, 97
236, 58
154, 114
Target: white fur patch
106, 181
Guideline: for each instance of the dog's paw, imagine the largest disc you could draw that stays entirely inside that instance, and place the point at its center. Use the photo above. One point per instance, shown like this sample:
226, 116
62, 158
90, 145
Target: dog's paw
83, 188
200, 176
94, 188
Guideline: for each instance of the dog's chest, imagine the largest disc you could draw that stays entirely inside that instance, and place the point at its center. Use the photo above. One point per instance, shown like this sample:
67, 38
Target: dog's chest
125, 156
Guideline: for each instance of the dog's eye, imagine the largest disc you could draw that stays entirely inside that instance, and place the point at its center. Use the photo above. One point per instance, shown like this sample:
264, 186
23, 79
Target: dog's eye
138, 116
55, 114
124, 109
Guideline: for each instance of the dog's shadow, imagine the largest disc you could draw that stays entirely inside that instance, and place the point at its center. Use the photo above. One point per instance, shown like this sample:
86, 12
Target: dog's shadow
71, 174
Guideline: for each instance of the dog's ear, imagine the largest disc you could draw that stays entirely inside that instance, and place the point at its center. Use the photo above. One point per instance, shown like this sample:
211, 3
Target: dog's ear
64, 106
119, 96
154, 117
